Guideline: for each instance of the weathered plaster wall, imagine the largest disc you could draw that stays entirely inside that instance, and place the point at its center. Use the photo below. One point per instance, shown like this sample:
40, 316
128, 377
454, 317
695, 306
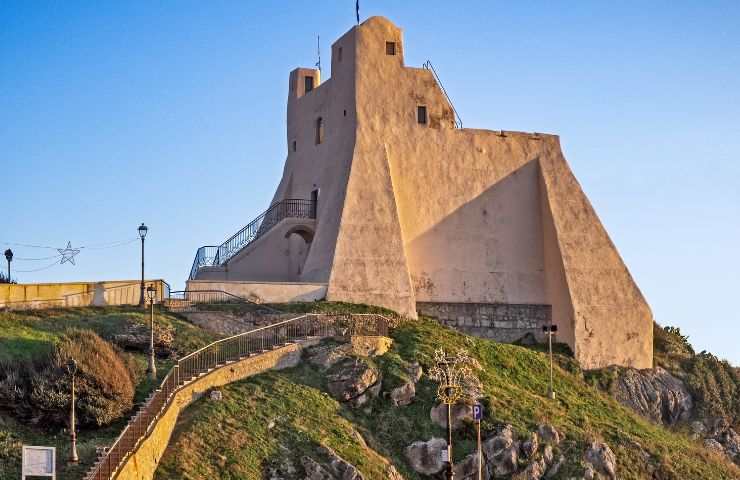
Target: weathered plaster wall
265, 292
143, 463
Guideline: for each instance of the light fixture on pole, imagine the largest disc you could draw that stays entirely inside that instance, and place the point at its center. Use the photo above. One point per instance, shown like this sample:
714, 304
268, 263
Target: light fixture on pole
151, 293
142, 234
457, 380
72, 369
550, 331
9, 258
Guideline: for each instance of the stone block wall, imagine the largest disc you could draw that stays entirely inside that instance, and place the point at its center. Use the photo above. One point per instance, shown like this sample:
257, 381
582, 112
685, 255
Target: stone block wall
499, 321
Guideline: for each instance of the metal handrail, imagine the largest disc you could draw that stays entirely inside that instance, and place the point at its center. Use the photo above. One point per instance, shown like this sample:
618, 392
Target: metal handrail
428, 66
183, 300
220, 353
289, 208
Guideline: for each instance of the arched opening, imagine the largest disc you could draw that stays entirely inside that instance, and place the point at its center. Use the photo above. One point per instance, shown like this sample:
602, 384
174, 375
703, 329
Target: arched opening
300, 238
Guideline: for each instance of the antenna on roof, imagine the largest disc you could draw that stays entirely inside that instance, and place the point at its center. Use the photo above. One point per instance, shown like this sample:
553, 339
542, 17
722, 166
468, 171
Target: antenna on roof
357, 10
318, 51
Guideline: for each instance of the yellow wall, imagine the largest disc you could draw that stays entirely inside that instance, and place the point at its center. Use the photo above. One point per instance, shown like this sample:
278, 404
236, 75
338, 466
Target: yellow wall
75, 294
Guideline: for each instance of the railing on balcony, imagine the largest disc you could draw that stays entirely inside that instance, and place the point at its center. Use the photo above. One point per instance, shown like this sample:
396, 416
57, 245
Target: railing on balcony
428, 66
223, 352
218, 255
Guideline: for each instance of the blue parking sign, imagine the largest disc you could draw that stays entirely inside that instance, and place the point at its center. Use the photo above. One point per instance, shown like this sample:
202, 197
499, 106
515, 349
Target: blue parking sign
477, 412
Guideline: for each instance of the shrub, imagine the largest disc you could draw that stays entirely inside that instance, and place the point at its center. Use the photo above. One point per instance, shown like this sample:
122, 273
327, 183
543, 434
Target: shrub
715, 386
104, 384
670, 348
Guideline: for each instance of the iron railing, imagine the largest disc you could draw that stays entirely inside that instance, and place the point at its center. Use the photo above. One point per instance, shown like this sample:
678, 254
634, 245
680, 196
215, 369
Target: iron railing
200, 300
219, 354
428, 66
218, 255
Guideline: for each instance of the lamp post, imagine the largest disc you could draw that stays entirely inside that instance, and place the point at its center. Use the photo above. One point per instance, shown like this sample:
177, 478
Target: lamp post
151, 292
72, 369
142, 234
9, 258
550, 331
456, 379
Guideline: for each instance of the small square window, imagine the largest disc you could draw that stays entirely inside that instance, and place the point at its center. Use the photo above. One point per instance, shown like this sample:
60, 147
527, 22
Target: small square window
293, 146
308, 83
390, 48
421, 114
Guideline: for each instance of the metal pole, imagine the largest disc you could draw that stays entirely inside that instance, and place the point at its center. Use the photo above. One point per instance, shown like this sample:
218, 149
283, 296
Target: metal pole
73, 458
152, 367
141, 297
551, 393
8, 270
480, 455
450, 473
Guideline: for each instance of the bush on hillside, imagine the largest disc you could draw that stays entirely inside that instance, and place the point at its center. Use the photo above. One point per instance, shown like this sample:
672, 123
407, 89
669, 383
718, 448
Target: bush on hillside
715, 386
671, 348
41, 391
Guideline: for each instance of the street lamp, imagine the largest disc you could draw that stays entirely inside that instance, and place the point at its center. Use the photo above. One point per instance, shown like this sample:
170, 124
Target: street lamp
457, 380
151, 293
550, 331
9, 258
72, 369
142, 234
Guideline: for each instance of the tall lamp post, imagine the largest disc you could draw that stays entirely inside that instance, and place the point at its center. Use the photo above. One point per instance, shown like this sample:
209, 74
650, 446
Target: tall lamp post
550, 331
9, 258
72, 369
142, 234
456, 379
151, 292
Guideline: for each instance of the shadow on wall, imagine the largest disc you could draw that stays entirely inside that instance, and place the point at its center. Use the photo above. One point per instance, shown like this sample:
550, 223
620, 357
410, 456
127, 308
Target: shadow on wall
489, 250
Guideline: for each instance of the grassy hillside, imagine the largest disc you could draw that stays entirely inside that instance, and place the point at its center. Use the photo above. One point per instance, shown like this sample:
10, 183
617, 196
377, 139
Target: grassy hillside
281, 414
28, 337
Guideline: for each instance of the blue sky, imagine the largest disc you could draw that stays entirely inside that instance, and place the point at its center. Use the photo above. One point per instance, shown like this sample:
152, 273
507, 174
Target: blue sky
173, 113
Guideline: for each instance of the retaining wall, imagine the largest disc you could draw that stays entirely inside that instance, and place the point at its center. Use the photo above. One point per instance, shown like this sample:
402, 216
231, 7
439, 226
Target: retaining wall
501, 322
142, 464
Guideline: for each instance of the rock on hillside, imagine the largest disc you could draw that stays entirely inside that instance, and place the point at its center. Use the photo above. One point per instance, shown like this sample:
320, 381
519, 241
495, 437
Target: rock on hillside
655, 394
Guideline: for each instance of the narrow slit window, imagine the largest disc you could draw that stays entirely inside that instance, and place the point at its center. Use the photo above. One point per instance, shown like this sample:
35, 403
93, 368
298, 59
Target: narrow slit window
308, 83
339, 54
293, 145
319, 131
390, 48
421, 114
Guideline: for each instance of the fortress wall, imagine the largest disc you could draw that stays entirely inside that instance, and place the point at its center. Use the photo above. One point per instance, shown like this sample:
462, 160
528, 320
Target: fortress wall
613, 323
326, 166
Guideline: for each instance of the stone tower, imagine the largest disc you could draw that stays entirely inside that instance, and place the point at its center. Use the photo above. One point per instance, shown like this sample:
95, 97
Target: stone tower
384, 200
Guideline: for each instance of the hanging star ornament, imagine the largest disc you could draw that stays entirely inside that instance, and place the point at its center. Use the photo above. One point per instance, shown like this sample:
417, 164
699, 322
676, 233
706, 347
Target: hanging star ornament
68, 254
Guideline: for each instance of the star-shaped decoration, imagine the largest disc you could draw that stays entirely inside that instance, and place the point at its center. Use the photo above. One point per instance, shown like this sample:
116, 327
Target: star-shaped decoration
68, 254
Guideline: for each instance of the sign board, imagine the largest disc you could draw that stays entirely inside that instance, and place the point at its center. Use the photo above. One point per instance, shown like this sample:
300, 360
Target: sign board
444, 455
38, 462
477, 412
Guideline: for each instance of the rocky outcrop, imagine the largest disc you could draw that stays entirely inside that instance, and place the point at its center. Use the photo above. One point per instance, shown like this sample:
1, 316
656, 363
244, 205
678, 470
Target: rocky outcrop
136, 336
603, 460
336, 468
426, 457
502, 452
460, 413
403, 395
350, 378
655, 394
468, 468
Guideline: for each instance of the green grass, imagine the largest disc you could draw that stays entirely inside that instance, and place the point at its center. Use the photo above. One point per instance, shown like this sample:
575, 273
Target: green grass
233, 438
29, 335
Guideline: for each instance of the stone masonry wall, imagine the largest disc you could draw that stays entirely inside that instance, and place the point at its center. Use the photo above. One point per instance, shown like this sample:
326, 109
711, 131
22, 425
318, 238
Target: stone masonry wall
501, 322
